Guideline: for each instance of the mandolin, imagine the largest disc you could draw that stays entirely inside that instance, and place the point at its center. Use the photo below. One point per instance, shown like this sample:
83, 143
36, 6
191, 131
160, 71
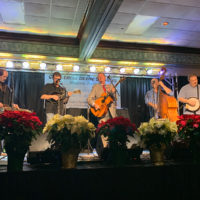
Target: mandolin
62, 96
104, 102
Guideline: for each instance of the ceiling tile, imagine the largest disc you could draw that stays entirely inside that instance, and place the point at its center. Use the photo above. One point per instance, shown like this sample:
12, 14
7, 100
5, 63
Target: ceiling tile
123, 18
36, 9
67, 3
180, 24
165, 10
193, 3
36, 21
38, 1
116, 28
131, 6
61, 24
62, 12
194, 14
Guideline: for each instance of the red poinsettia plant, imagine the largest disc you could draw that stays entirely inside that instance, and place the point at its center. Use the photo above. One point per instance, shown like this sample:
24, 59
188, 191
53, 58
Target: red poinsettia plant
117, 130
19, 127
189, 129
188, 126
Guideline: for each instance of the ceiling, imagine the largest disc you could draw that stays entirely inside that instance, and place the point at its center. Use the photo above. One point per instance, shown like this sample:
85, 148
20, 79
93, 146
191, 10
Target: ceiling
138, 21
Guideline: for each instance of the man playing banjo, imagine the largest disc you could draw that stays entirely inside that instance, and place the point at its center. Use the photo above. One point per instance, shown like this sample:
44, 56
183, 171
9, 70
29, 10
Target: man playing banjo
189, 95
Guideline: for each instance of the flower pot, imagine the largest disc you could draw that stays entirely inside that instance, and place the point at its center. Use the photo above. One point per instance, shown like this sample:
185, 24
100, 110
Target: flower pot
69, 158
16, 153
157, 155
117, 157
15, 162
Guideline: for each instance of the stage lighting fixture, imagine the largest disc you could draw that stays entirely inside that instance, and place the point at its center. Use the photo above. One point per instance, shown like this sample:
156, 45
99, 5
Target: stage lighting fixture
107, 69
149, 71
59, 67
122, 70
92, 69
10, 64
136, 71
25, 65
43, 65
76, 68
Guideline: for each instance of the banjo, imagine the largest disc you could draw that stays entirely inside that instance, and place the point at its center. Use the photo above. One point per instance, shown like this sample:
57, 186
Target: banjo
195, 107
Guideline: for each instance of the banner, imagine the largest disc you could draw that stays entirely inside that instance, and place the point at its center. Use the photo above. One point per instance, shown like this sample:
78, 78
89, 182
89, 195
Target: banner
84, 83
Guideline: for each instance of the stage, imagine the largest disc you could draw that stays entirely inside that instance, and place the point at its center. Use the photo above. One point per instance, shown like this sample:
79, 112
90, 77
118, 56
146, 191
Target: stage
97, 180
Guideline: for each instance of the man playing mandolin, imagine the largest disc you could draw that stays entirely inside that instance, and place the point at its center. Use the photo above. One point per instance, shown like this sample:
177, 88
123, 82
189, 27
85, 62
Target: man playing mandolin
189, 95
106, 96
151, 97
55, 96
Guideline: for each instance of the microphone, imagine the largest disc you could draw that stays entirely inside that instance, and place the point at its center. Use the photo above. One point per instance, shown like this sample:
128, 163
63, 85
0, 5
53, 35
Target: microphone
57, 80
108, 77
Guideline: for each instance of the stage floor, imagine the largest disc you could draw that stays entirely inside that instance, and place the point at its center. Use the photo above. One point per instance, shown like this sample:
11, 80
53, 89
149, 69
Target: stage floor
85, 160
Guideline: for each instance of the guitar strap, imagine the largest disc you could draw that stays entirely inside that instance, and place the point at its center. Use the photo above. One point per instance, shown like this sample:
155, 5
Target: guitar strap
197, 95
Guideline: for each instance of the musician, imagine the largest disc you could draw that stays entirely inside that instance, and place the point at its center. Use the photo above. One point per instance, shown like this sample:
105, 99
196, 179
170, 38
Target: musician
97, 91
55, 97
192, 89
5, 96
151, 97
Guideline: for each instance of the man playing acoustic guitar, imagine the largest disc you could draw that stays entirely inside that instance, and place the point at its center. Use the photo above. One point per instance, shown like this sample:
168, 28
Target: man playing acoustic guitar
98, 97
103, 105
189, 95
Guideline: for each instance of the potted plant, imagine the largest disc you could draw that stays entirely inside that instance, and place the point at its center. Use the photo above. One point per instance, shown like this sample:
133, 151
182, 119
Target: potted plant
117, 132
189, 134
17, 129
156, 135
69, 135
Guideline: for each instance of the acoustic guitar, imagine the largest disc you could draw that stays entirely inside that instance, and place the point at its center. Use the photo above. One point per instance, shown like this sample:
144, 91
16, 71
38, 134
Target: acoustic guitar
104, 102
195, 107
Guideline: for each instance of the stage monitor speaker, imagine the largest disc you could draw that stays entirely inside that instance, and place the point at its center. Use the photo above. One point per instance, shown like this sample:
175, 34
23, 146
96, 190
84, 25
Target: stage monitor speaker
77, 112
123, 112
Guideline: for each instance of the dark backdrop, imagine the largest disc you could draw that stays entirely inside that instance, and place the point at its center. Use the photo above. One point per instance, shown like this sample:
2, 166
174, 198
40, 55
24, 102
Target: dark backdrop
28, 86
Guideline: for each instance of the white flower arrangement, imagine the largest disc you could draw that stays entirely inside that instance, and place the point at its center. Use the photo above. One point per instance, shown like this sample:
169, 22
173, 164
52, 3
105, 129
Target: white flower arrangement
157, 131
67, 131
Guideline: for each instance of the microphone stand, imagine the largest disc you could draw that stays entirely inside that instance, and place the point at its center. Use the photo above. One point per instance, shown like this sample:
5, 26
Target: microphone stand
113, 84
12, 90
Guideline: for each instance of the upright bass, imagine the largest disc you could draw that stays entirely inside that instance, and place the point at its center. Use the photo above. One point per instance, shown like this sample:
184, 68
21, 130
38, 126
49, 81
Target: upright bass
167, 105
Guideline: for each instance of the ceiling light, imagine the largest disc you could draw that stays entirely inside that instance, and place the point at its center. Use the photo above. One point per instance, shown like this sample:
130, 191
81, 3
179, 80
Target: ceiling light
43, 65
136, 71
27, 56
98, 61
10, 64
122, 70
140, 24
76, 68
6, 54
67, 58
25, 65
165, 23
107, 69
126, 63
149, 71
92, 69
59, 67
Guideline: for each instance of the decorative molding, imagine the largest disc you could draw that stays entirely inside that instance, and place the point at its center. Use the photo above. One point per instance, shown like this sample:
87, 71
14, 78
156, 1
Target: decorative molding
23, 47
146, 56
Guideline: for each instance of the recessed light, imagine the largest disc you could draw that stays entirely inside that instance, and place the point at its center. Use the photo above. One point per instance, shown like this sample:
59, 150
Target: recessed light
165, 23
